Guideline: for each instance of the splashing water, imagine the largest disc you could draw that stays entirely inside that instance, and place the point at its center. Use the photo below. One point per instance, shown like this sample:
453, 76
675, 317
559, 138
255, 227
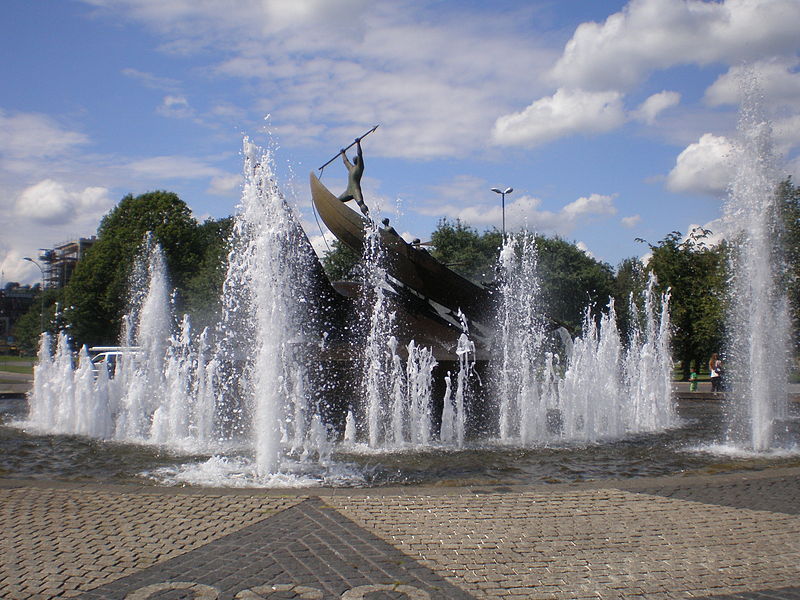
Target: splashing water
454, 417
243, 391
265, 303
759, 336
604, 391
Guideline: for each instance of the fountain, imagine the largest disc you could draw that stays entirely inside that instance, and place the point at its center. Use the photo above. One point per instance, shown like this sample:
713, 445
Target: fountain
758, 336
604, 391
282, 392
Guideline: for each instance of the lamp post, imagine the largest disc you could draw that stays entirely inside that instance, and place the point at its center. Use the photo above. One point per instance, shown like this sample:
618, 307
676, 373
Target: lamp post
41, 292
503, 196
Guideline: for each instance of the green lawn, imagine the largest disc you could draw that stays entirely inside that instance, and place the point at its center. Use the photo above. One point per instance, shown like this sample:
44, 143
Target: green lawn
16, 364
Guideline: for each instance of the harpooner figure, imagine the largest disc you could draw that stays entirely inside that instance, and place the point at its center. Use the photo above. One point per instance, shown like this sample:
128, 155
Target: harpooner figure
354, 172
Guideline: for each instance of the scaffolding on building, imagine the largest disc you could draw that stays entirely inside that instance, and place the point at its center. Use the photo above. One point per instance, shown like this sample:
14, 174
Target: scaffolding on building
60, 261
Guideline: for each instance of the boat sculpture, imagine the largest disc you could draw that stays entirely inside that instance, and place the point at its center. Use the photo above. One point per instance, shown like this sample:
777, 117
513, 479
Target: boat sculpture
411, 266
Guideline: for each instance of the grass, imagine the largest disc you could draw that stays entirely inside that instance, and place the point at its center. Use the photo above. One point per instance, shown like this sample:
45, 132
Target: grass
7, 358
16, 364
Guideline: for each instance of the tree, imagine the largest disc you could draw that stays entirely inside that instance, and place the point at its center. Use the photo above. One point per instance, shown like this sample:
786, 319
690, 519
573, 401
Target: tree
96, 296
630, 280
789, 211
339, 262
203, 289
695, 274
571, 281
464, 250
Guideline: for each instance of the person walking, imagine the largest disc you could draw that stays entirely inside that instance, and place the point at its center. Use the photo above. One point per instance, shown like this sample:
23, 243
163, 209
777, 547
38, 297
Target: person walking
715, 369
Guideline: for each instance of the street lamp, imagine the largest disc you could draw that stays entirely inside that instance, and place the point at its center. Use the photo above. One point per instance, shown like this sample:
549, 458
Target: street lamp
503, 196
41, 292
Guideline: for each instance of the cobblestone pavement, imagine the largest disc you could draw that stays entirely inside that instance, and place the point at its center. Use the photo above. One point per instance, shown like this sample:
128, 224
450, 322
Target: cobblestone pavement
723, 537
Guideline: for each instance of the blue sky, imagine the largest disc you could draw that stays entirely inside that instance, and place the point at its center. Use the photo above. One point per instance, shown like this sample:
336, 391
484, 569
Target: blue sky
611, 120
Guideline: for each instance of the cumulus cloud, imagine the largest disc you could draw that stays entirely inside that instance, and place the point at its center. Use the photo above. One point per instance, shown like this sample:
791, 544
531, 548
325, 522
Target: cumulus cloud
564, 113
632, 221
703, 167
658, 34
32, 135
175, 107
49, 202
404, 66
655, 104
777, 78
584, 248
525, 211
173, 167
223, 185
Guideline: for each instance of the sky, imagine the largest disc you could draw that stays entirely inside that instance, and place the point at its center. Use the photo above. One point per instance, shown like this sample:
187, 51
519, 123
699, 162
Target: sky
610, 120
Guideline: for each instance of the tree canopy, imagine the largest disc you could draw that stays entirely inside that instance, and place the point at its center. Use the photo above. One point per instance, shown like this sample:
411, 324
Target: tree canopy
695, 274
571, 279
97, 295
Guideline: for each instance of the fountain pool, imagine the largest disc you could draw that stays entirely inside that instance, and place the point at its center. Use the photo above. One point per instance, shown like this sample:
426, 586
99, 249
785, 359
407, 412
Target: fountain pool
690, 448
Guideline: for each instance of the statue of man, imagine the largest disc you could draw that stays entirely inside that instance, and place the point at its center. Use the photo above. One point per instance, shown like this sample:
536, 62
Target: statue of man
354, 172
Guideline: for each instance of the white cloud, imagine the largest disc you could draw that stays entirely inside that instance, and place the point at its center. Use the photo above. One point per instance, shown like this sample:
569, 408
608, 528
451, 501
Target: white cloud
173, 167
400, 64
704, 167
777, 78
525, 211
152, 81
584, 248
32, 135
223, 185
566, 112
632, 221
658, 34
176, 107
49, 202
655, 104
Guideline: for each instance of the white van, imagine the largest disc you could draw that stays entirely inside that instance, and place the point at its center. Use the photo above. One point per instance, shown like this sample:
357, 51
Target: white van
108, 356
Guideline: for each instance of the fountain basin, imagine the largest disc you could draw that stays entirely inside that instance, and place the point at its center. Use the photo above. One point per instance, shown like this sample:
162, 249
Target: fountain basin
693, 447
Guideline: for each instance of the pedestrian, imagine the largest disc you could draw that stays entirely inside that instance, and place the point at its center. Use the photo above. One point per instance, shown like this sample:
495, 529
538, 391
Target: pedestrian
715, 369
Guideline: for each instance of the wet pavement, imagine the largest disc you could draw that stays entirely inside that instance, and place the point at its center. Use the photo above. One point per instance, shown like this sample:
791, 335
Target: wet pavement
720, 536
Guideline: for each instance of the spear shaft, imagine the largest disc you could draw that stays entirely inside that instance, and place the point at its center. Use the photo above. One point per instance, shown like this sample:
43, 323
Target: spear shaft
348, 148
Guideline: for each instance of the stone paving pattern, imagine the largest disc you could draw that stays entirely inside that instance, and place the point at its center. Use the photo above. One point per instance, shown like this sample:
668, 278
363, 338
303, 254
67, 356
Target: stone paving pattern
723, 536
59, 542
587, 543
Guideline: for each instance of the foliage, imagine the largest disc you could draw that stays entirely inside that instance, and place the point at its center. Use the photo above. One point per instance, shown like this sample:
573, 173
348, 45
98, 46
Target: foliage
695, 274
464, 250
630, 282
203, 289
27, 329
789, 208
571, 281
96, 296
339, 262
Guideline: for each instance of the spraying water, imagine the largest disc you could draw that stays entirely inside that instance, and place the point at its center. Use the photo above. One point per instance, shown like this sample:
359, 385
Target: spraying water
759, 336
600, 389
265, 304
243, 391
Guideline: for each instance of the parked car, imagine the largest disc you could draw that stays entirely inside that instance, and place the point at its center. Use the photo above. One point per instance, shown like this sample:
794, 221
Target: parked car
109, 357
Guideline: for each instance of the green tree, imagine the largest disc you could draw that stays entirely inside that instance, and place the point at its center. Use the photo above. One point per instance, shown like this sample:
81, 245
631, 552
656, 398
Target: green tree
28, 328
203, 289
97, 294
789, 209
339, 262
695, 274
630, 280
464, 250
571, 281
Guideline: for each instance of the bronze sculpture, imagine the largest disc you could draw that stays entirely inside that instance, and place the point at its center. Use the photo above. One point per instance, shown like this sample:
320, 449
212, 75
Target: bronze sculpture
354, 172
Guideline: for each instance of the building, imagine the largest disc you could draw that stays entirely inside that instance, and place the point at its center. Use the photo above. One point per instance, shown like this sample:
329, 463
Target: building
15, 300
59, 261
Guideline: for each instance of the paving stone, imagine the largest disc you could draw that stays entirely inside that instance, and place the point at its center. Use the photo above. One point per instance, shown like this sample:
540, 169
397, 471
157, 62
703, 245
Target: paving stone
724, 537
